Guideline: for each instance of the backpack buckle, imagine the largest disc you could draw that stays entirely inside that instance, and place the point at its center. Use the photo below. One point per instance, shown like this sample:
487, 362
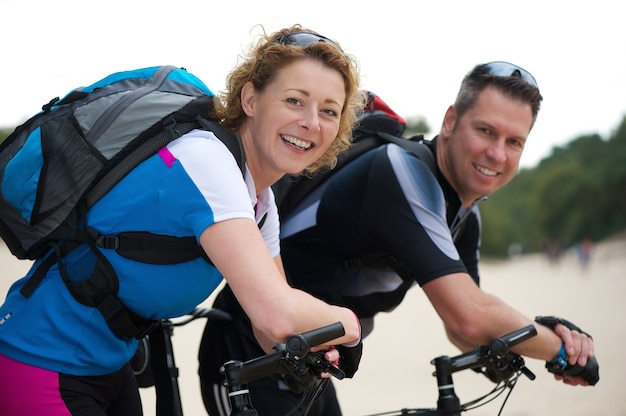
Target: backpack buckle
171, 127
108, 242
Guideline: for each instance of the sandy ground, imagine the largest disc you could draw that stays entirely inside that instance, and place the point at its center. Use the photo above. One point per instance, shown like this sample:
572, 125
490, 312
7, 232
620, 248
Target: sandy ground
396, 371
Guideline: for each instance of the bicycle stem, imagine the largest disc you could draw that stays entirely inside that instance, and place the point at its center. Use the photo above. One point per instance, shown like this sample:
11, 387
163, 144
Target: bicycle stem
238, 374
445, 366
448, 401
240, 401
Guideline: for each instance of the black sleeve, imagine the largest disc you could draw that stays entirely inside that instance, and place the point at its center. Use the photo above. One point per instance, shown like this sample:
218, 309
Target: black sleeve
405, 212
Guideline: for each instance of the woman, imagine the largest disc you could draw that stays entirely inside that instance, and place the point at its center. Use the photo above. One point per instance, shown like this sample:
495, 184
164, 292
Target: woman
292, 102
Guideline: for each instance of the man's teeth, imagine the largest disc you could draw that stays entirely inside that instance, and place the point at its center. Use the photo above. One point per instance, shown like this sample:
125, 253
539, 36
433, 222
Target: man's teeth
297, 142
485, 171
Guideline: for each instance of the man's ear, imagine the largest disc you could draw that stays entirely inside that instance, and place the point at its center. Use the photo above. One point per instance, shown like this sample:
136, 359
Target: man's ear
449, 121
248, 99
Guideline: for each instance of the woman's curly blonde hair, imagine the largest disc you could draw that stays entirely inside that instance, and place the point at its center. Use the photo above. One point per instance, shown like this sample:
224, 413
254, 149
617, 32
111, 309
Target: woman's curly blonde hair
260, 66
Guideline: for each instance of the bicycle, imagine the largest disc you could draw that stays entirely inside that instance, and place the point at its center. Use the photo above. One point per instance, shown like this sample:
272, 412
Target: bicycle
293, 358
154, 364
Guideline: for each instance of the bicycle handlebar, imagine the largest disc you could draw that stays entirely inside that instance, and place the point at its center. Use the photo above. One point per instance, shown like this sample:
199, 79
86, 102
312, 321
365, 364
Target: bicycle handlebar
211, 313
299, 345
500, 346
294, 359
291, 357
197, 313
496, 358
495, 361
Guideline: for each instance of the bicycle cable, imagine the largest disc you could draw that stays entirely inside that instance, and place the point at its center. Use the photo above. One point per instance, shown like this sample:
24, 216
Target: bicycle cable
495, 392
308, 399
513, 384
471, 405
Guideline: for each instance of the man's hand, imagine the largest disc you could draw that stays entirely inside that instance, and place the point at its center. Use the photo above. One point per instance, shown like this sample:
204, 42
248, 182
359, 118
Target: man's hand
582, 367
579, 349
578, 346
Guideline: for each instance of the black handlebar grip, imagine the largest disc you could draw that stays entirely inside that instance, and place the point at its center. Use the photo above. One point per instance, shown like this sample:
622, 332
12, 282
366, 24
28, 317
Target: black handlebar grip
299, 345
500, 346
211, 313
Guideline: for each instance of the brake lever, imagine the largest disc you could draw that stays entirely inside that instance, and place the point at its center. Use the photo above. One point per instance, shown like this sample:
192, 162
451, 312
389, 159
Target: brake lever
526, 371
318, 363
336, 372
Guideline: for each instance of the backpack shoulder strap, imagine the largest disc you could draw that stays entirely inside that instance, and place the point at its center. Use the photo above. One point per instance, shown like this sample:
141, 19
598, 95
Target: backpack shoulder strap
232, 142
171, 131
414, 145
163, 249
148, 148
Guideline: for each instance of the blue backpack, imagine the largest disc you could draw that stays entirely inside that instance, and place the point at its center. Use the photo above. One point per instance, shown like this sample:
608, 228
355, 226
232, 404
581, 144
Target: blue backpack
59, 163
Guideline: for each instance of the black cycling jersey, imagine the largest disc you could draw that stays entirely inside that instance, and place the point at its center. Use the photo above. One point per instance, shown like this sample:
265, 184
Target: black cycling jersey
386, 203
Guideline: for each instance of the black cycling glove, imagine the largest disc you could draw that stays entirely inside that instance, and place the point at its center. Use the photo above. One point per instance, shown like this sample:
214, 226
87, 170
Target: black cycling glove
350, 357
559, 365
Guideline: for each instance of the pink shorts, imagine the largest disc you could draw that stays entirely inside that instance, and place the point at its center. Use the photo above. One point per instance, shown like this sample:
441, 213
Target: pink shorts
26, 391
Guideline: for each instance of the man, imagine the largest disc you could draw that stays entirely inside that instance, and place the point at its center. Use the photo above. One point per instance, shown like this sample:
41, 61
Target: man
386, 221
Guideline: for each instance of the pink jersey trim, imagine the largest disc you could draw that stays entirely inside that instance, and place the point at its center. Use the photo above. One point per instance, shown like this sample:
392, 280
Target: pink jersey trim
167, 157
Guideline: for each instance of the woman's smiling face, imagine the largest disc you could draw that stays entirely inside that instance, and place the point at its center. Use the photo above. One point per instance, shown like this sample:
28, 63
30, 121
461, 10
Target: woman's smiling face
293, 120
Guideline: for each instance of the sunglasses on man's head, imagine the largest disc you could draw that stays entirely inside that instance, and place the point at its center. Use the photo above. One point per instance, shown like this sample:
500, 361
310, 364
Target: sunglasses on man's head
304, 39
506, 69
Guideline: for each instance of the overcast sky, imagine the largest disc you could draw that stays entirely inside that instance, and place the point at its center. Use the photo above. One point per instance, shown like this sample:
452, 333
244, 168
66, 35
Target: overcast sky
413, 54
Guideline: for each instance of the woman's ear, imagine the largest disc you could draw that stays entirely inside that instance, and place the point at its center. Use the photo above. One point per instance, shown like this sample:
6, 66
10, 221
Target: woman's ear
248, 99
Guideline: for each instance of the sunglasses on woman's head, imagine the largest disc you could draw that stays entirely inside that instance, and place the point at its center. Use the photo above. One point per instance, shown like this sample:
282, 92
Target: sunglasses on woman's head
304, 39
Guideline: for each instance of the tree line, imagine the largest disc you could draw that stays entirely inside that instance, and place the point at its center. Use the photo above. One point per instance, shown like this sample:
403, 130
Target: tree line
577, 192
